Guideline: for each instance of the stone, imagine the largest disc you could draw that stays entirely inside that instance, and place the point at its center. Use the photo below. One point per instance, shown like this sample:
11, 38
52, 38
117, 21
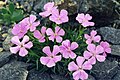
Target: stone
115, 50
7, 42
110, 34
105, 70
117, 76
90, 77
36, 75
13, 73
58, 77
4, 58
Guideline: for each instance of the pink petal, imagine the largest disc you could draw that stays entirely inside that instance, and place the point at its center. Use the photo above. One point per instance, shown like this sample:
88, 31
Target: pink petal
45, 14
72, 55
65, 54
32, 18
89, 41
63, 13
93, 33
99, 49
80, 60
15, 40
87, 55
52, 38
86, 36
82, 16
108, 50
44, 60
49, 6
47, 51
49, 31
37, 34
42, 39
28, 45
91, 47
37, 23
57, 58
87, 66
14, 49
91, 23
76, 75
56, 50
23, 52
88, 17
32, 28
51, 63
72, 66
92, 60
97, 38
59, 31
100, 58
104, 44
85, 24
74, 45
25, 39
43, 30
66, 43
83, 75
64, 19
58, 39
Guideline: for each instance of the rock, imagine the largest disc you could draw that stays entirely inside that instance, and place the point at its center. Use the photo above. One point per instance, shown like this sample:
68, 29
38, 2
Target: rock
13, 73
115, 50
90, 77
1, 49
7, 42
36, 75
105, 70
110, 34
4, 58
117, 76
17, 64
58, 77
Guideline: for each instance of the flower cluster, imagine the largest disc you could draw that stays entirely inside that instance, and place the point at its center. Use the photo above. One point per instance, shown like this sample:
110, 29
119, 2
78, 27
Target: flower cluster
96, 49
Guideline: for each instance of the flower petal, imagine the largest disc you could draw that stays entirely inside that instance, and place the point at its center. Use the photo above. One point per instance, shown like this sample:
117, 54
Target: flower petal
86, 36
99, 49
66, 43
76, 75
100, 58
74, 45
23, 52
88, 17
28, 45
87, 66
91, 47
32, 18
15, 40
51, 63
97, 38
72, 66
80, 60
44, 60
72, 55
43, 30
83, 75
87, 54
47, 51
57, 58
25, 39
14, 49
49, 31
93, 33
56, 50
58, 39
92, 60
37, 34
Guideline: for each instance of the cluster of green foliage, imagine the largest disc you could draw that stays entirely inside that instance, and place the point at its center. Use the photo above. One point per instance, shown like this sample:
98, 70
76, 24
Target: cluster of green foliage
10, 14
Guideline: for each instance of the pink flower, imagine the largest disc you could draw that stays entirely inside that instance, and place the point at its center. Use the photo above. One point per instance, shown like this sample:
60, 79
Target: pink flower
40, 35
55, 35
106, 47
30, 22
49, 7
79, 68
51, 57
21, 46
59, 18
19, 30
93, 37
84, 20
67, 49
93, 53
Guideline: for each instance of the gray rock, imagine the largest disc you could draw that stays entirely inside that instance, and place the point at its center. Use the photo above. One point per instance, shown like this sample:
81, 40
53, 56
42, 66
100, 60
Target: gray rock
110, 34
105, 70
4, 58
36, 75
13, 73
117, 76
58, 77
115, 50
90, 77
7, 42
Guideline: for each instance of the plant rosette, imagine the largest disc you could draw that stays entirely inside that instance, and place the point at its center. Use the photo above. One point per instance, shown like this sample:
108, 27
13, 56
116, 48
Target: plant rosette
58, 48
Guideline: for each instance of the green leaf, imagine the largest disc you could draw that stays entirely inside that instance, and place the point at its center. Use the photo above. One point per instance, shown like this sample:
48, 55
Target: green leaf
17, 15
11, 7
4, 11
